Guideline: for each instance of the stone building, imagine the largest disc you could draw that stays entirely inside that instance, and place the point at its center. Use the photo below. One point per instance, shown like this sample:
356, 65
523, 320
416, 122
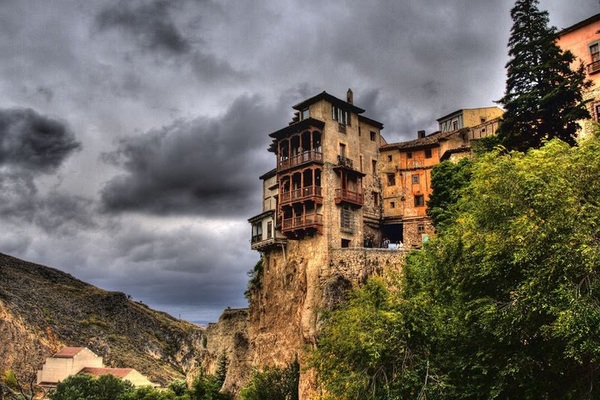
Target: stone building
80, 360
406, 170
334, 211
583, 40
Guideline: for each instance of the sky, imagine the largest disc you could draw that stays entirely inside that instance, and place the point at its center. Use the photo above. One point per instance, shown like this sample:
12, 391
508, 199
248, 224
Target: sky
133, 133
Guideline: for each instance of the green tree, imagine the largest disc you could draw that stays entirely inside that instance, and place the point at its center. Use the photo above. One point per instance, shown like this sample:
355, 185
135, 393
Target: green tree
366, 351
207, 387
87, 387
447, 181
273, 383
543, 96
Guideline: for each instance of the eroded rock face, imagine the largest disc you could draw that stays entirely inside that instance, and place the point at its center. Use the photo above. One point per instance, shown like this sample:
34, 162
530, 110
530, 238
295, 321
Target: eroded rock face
282, 320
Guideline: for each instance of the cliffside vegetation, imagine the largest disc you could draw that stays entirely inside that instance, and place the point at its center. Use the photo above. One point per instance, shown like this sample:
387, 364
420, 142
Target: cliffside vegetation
503, 304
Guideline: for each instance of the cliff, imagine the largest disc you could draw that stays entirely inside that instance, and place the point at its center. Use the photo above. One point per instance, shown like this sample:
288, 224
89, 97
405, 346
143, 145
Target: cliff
43, 309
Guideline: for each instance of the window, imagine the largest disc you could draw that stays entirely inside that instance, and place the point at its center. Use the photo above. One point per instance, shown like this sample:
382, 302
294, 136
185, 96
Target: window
595, 51
342, 150
257, 232
270, 230
427, 153
390, 158
346, 219
304, 114
345, 243
409, 155
415, 178
375, 196
373, 135
391, 179
419, 200
392, 204
374, 167
420, 228
361, 163
340, 115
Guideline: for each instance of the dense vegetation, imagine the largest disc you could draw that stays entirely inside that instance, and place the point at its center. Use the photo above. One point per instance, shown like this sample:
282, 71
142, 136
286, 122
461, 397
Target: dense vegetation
503, 304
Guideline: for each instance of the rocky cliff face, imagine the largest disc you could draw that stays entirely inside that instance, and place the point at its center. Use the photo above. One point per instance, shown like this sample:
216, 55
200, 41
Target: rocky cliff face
43, 310
282, 321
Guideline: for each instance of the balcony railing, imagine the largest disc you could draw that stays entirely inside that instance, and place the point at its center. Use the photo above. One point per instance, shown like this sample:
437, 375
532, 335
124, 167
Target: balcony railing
306, 156
593, 67
348, 196
305, 193
302, 222
345, 162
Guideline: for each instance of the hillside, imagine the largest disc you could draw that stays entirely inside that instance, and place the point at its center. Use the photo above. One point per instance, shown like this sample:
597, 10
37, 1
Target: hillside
43, 309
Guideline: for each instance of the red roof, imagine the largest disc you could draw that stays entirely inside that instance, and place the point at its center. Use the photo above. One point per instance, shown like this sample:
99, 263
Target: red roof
68, 352
118, 372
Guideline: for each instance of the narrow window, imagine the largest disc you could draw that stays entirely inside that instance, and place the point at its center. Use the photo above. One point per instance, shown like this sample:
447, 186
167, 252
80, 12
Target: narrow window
419, 200
595, 51
305, 114
392, 204
346, 219
427, 153
373, 135
409, 155
374, 167
390, 158
375, 196
415, 178
342, 150
420, 228
270, 230
391, 179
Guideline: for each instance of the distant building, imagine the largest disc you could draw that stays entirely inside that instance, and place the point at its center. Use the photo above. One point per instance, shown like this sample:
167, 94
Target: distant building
583, 40
80, 360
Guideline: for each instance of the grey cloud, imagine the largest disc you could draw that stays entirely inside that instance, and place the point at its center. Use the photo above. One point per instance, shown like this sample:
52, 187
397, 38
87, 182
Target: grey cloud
148, 22
33, 141
205, 166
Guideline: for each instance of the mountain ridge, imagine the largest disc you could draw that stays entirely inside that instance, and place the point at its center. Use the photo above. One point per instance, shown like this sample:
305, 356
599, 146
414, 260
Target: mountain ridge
43, 309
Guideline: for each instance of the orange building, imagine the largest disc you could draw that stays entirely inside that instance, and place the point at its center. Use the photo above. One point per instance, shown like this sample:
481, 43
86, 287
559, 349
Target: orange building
406, 170
583, 40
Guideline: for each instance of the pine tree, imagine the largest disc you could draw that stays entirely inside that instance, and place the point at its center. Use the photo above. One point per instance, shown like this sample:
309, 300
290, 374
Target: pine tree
543, 97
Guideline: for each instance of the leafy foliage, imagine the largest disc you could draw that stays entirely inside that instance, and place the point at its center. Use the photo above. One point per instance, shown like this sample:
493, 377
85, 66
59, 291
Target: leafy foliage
447, 180
504, 304
543, 98
273, 383
255, 282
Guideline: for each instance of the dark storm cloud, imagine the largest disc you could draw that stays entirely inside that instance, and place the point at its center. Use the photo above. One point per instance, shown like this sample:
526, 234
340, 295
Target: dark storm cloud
149, 23
32, 141
206, 166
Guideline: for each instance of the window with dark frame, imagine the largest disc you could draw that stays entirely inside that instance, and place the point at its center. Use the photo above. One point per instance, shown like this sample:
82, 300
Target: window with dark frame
415, 178
420, 228
409, 154
391, 179
389, 158
375, 196
427, 153
374, 167
373, 136
419, 200
392, 204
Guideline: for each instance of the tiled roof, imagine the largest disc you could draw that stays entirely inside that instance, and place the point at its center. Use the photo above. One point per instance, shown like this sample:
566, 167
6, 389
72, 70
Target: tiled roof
68, 352
429, 140
118, 372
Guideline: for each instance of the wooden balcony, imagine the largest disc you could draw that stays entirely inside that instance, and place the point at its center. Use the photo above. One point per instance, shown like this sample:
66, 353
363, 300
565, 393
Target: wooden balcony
305, 157
260, 243
349, 197
313, 193
593, 67
303, 222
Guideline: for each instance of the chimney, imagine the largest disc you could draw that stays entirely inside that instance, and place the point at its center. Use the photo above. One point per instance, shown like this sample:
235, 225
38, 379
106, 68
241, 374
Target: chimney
420, 134
350, 96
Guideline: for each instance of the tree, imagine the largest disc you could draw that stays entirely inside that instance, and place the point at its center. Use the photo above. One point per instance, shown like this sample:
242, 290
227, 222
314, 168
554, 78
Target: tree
273, 383
543, 96
447, 181
84, 386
